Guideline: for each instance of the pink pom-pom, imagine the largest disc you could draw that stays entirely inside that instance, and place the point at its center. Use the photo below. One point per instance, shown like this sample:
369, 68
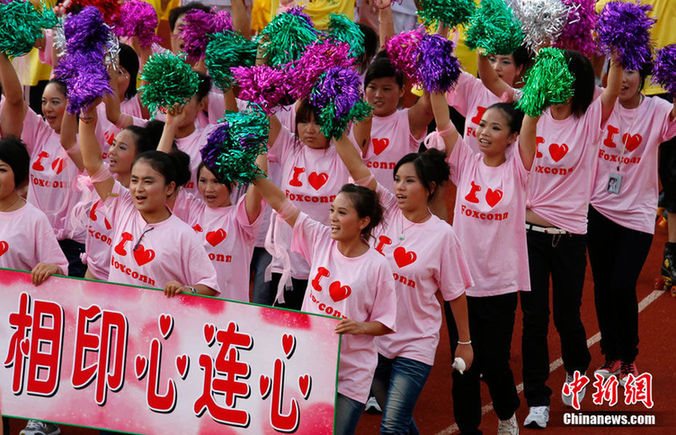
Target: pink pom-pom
402, 49
262, 85
577, 34
138, 18
317, 59
222, 21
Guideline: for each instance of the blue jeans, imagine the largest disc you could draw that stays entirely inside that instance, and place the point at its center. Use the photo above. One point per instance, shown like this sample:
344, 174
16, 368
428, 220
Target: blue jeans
397, 384
262, 290
347, 414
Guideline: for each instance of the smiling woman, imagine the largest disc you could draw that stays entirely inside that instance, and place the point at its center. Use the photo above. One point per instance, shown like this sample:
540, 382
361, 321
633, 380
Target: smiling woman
148, 240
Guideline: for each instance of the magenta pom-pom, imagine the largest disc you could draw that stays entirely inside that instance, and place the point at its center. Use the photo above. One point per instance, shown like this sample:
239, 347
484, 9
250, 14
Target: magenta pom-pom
222, 21
319, 57
577, 34
438, 68
664, 69
137, 18
197, 24
402, 50
262, 85
623, 29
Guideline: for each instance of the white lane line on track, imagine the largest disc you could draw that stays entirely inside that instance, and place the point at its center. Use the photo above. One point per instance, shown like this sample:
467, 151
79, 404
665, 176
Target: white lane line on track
559, 362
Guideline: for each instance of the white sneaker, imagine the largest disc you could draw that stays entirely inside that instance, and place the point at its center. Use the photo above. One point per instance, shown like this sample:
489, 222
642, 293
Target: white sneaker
35, 427
538, 417
372, 406
508, 427
567, 399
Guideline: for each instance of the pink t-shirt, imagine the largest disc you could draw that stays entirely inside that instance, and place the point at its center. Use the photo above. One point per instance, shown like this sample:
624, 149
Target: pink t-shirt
165, 251
191, 145
311, 179
359, 288
490, 211
27, 239
559, 186
391, 139
471, 99
52, 175
630, 141
429, 258
228, 238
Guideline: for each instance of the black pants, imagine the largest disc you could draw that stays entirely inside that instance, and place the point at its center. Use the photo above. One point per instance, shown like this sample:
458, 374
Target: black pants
491, 323
563, 258
617, 255
72, 251
293, 299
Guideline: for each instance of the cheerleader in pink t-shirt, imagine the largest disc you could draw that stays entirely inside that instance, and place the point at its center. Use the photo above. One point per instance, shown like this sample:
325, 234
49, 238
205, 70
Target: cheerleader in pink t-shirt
426, 258
622, 216
27, 241
151, 246
52, 174
490, 209
311, 174
350, 281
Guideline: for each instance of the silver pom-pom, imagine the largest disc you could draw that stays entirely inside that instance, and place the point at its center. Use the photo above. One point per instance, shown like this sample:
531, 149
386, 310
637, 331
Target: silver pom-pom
541, 21
112, 47
59, 40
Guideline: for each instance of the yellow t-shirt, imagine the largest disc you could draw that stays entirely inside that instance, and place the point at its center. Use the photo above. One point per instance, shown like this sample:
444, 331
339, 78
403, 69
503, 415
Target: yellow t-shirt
663, 32
318, 10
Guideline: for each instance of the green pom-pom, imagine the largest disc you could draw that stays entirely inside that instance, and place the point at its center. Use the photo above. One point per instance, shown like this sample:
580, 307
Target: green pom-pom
494, 29
333, 126
169, 80
21, 25
285, 38
548, 82
344, 29
226, 50
233, 147
449, 12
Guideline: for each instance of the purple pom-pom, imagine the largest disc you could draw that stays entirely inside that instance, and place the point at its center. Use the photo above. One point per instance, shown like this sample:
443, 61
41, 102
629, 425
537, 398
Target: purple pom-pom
222, 21
577, 34
85, 31
318, 57
438, 68
402, 49
340, 86
664, 70
298, 11
138, 18
82, 67
262, 85
624, 30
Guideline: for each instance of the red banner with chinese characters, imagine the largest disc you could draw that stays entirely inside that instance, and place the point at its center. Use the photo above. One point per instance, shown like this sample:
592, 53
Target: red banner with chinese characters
129, 359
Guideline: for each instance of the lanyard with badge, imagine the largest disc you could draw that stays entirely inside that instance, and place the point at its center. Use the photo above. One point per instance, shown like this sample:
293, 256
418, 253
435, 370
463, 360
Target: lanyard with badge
615, 178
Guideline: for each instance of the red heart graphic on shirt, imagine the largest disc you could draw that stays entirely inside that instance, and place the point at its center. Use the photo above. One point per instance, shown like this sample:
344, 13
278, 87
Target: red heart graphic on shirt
379, 145
37, 165
288, 344
182, 364
216, 237
558, 151
141, 366
264, 386
143, 255
197, 228
403, 257
57, 165
4, 247
338, 291
493, 196
166, 324
109, 136
318, 180
632, 142
305, 384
